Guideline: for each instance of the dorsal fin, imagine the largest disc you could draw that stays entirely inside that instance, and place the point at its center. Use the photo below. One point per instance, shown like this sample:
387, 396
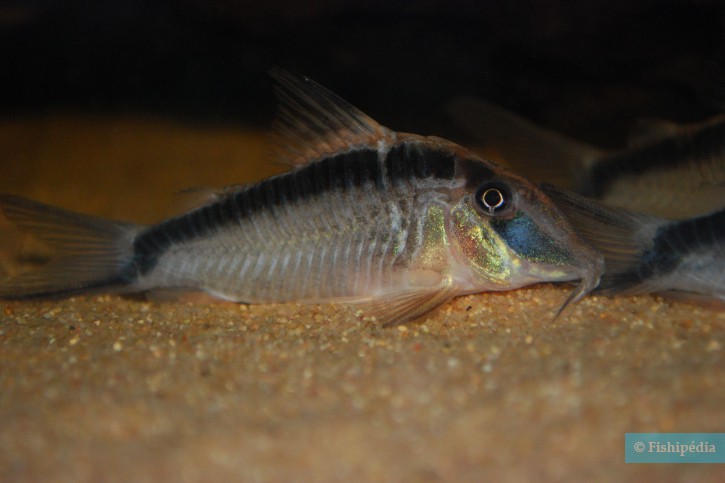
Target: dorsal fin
313, 122
544, 155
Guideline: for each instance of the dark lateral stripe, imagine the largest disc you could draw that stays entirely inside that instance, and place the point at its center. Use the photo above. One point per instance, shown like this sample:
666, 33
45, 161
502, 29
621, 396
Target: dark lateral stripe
671, 244
669, 153
344, 171
406, 161
475, 173
339, 172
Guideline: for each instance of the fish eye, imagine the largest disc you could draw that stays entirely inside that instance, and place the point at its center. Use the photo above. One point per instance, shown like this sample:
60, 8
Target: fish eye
493, 197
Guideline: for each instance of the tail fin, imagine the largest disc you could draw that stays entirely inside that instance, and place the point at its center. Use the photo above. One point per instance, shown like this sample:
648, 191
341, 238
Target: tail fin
90, 253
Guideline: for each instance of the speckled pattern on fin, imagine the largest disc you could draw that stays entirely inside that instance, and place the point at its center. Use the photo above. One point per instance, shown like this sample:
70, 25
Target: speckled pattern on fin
399, 308
313, 122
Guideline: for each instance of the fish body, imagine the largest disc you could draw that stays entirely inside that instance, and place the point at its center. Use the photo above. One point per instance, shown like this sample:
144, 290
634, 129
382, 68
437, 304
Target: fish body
669, 170
679, 174
655, 210
398, 222
646, 254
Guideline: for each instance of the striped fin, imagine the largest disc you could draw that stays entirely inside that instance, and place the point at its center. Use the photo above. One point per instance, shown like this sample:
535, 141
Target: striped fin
314, 123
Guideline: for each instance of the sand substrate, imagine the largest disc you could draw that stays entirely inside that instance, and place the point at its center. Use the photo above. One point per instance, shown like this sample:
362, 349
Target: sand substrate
489, 388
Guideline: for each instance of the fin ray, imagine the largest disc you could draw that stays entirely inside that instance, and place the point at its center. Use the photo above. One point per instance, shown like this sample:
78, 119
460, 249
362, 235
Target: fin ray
89, 252
402, 307
313, 122
620, 235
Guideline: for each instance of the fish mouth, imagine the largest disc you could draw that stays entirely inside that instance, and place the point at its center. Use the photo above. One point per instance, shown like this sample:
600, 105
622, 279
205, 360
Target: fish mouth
552, 251
587, 267
567, 256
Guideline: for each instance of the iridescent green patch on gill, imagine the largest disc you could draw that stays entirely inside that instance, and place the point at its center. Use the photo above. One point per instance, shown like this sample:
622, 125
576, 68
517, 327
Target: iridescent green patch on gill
434, 249
482, 248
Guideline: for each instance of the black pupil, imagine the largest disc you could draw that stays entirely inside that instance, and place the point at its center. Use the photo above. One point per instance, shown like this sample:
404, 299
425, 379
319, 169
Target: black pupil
493, 198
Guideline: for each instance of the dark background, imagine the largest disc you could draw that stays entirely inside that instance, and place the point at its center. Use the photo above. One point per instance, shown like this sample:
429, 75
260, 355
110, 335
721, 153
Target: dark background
588, 68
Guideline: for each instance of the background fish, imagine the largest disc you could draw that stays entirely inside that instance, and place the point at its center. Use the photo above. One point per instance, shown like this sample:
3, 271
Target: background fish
668, 170
398, 222
646, 254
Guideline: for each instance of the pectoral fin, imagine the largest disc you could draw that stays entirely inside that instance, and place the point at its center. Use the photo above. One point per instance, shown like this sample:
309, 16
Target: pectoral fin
399, 308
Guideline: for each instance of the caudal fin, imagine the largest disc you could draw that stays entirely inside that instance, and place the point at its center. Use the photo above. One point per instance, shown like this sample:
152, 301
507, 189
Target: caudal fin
89, 253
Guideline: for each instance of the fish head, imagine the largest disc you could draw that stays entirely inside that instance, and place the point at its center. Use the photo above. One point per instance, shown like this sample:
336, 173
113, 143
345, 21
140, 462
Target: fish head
506, 233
